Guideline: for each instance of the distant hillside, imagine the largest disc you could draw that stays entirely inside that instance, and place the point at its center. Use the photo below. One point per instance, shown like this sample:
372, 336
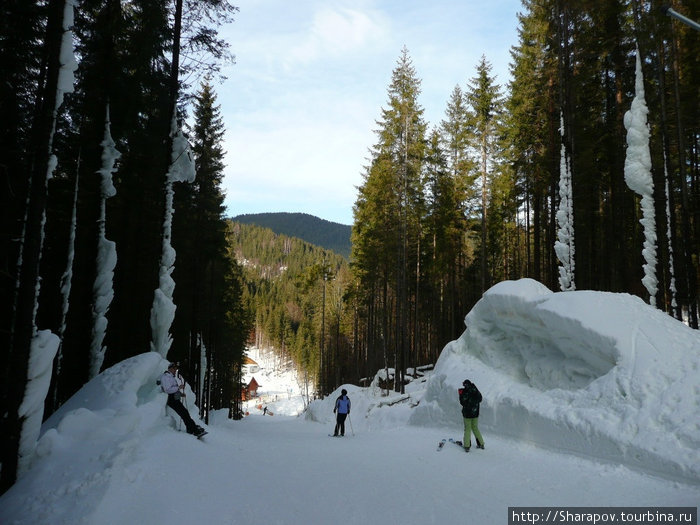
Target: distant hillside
320, 232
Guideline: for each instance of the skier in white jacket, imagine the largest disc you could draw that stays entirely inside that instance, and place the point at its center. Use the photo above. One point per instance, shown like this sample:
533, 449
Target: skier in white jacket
175, 390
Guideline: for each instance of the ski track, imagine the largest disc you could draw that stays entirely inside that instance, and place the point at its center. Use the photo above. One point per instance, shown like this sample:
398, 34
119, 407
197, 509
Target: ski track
285, 470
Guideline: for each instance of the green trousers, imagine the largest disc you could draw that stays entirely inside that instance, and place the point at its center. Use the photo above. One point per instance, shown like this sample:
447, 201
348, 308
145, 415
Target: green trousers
471, 424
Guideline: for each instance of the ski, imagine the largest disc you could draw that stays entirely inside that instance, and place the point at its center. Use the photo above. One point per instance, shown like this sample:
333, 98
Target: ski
201, 434
450, 440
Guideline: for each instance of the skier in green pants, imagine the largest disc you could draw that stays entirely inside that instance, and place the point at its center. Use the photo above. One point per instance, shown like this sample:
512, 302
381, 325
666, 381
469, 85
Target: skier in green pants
469, 398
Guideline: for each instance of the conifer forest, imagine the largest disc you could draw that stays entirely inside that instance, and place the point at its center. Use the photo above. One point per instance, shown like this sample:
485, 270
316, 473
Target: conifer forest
114, 238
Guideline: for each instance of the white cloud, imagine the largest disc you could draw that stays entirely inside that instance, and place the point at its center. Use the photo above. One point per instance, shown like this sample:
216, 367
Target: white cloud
337, 31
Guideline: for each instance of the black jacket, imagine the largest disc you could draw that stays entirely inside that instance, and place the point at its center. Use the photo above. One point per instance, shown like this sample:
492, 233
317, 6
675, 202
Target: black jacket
469, 398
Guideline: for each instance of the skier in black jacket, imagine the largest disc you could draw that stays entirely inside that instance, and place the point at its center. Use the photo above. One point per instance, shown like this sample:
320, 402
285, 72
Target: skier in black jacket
469, 398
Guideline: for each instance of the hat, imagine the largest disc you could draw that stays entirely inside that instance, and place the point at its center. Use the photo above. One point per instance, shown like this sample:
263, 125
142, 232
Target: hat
343, 391
465, 382
172, 365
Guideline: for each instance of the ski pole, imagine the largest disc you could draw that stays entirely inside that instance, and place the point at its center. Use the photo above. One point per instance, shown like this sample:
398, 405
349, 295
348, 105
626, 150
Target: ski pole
350, 421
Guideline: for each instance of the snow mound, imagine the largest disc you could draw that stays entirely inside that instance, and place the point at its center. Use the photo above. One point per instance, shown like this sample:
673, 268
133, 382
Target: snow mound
593, 373
372, 408
94, 436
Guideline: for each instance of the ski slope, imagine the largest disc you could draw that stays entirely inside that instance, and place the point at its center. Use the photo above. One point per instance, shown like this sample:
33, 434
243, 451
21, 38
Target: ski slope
560, 430
285, 470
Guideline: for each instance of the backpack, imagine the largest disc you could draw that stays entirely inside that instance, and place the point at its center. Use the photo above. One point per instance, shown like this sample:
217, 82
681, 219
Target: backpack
469, 398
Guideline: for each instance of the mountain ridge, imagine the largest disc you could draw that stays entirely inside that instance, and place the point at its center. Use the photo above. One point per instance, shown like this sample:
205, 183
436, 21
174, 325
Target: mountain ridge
314, 230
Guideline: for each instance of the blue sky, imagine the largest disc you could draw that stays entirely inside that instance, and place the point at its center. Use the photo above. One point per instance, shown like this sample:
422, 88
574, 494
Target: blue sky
311, 77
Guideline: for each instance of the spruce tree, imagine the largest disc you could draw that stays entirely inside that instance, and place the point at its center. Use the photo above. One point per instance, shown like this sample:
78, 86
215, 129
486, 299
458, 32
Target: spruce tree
485, 100
200, 238
397, 210
445, 245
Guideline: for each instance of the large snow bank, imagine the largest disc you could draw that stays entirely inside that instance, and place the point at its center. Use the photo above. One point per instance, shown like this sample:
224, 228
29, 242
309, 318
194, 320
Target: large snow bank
118, 406
594, 373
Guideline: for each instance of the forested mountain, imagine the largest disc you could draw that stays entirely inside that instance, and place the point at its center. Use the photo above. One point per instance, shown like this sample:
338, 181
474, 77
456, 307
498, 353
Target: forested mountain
296, 291
327, 234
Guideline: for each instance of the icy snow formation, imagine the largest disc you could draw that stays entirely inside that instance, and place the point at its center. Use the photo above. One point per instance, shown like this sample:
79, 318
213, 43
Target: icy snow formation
42, 351
639, 178
69, 64
593, 373
163, 310
564, 245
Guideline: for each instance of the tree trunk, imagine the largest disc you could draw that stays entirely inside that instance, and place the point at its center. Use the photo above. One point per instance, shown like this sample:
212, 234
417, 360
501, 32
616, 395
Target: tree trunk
26, 299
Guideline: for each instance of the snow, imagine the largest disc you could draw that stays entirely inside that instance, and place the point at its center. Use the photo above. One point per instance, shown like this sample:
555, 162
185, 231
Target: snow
103, 290
110, 155
163, 308
103, 293
280, 390
41, 353
596, 374
564, 245
181, 169
69, 64
590, 399
639, 178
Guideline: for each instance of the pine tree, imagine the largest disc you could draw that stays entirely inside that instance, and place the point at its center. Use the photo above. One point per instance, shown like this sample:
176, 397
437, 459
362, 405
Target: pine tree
485, 100
22, 418
446, 246
397, 209
21, 52
200, 237
530, 151
455, 135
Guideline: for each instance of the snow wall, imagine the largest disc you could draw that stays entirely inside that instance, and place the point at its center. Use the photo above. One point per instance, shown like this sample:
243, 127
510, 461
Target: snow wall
598, 374
120, 403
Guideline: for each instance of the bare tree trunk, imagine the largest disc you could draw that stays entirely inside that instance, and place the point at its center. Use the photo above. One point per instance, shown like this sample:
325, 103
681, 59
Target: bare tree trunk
688, 239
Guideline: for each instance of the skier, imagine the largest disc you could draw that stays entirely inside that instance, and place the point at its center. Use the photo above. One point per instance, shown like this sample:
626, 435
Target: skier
469, 398
170, 385
342, 408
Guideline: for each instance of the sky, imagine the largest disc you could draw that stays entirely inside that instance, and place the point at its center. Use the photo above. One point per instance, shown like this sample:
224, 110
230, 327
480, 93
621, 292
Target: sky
301, 102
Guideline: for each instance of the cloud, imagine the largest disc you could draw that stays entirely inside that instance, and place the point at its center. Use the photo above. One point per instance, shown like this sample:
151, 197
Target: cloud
338, 31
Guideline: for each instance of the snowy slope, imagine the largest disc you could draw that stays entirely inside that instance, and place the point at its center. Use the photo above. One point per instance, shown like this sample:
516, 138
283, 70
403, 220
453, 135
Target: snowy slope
280, 390
599, 374
580, 372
